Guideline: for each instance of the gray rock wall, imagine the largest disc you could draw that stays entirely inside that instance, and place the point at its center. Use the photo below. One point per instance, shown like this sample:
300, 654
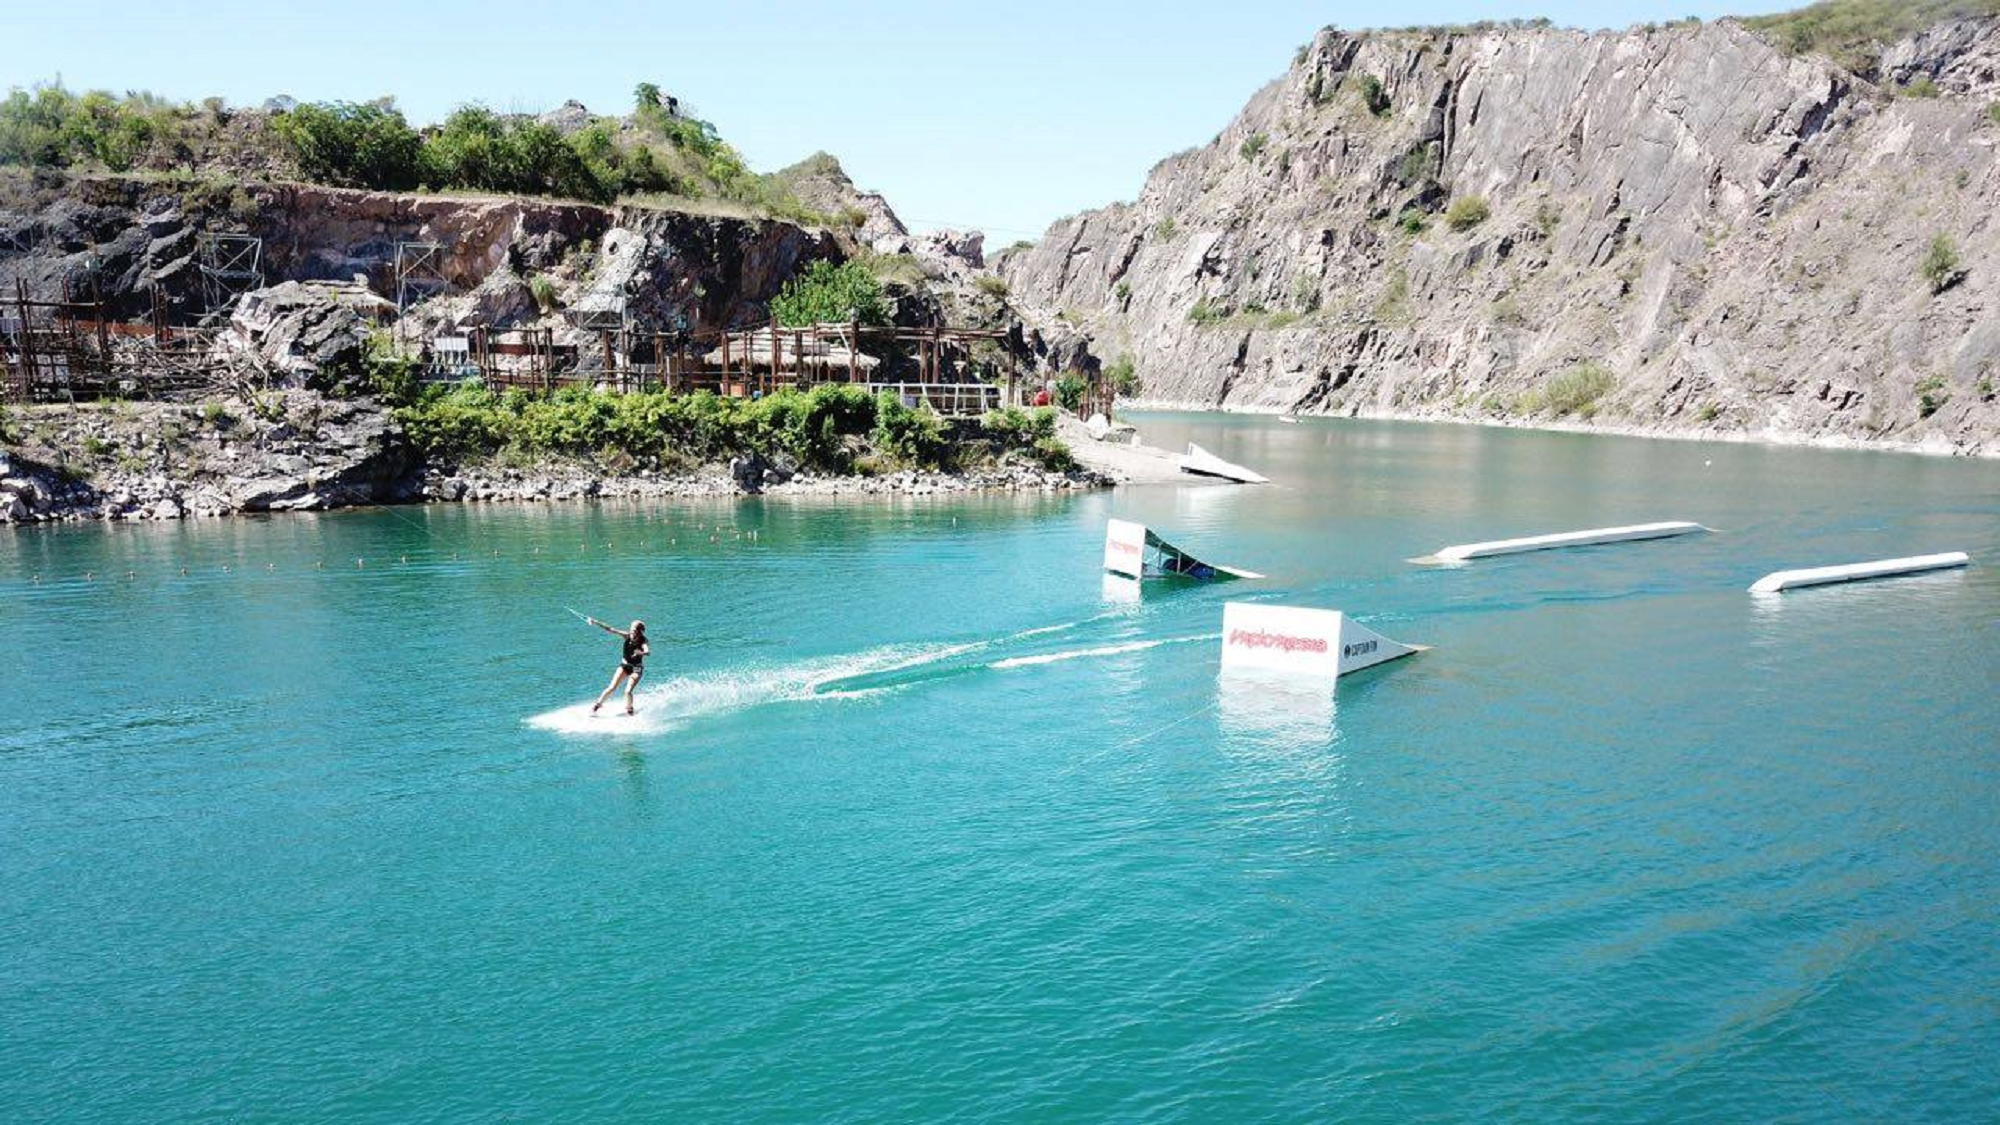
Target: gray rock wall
1715, 235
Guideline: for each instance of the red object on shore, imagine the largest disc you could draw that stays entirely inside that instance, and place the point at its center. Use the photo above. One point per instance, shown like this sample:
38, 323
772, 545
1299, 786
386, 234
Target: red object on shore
1041, 397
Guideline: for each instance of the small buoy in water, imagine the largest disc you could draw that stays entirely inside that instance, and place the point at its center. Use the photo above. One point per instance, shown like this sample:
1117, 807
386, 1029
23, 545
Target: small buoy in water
357, 564
406, 559
270, 566
129, 576
184, 572
319, 566
1706, 464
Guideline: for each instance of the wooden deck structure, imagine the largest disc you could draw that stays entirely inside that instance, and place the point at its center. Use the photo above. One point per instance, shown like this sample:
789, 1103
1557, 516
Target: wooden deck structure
742, 362
69, 349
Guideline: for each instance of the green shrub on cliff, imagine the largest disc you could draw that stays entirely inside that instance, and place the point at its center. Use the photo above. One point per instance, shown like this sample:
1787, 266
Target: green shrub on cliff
366, 145
1252, 145
1123, 377
1070, 388
1941, 266
1574, 390
1931, 396
1466, 212
1373, 97
826, 293
52, 127
477, 149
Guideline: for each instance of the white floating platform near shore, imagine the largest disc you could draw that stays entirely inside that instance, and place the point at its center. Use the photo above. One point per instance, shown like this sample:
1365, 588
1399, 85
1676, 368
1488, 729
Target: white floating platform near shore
1321, 644
1203, 463
1466, 552
1783, 580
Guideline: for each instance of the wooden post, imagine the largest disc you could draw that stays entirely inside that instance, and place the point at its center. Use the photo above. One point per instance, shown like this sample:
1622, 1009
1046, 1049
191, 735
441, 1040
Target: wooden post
854, 350
777, 355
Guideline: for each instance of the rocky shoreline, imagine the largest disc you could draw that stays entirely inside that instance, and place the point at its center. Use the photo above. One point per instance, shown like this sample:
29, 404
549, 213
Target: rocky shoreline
304, 452
1929, 445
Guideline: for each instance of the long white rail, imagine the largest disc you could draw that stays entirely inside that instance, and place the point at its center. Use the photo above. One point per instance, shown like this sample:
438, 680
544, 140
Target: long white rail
1780, 581
1465, 552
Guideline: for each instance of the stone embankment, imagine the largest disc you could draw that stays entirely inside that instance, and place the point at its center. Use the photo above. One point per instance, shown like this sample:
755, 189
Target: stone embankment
299, 451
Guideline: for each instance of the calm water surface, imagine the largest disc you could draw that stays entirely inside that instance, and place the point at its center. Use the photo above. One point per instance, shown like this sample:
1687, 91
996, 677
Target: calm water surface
917, 825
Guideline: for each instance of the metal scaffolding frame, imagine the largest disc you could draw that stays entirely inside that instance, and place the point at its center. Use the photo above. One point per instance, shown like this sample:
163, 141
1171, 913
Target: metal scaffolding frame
419, 273
231, 265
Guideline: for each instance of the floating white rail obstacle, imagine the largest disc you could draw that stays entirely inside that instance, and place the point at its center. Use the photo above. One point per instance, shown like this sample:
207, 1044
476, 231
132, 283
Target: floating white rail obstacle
1203, 463
1466, 552
1321, 643
1783, 580
1134, 551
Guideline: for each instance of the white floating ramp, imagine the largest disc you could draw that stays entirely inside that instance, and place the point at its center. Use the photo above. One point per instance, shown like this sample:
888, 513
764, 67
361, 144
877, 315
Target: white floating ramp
1203, 463
1783, 580
1131, 549
1465, 552
1316, 643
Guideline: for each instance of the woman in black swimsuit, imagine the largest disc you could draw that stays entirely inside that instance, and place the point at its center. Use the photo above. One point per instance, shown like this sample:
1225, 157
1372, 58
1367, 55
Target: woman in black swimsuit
631, 665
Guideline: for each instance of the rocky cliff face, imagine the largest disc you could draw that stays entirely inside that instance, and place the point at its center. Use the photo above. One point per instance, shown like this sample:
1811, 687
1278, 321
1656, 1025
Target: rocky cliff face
1680, 229
128, 234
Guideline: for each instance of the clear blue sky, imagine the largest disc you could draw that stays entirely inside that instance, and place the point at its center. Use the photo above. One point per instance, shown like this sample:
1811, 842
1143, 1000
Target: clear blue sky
1000, 115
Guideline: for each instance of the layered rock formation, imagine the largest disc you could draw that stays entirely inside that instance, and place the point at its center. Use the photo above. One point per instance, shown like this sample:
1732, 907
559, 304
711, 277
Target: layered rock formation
1679, 229
123, 236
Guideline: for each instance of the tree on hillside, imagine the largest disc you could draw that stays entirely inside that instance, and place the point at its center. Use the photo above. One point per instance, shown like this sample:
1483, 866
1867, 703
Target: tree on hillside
824, 293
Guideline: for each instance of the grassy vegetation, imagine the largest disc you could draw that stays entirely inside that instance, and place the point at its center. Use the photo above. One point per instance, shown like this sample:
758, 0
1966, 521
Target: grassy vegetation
1122, 291
1124, 378
1414, 167
1940, 266
1931, 395
1203, 313
1574, 390
1164, 229
1993, 113
1394, 303
832, 428
1853, 32
1373, 98
1070, 389
1466, 212
1252, 145
543, 290
901, 269
991, 285
653, 153
825, 293
1412, 222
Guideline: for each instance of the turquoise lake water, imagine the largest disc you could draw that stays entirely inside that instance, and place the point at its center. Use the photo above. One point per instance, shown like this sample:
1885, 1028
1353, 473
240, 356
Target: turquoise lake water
917, 825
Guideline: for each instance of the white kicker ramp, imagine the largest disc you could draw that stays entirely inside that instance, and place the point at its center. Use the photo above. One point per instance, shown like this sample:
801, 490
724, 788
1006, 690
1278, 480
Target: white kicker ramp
1201, 462
1131, 549
1320, 643
1780, 581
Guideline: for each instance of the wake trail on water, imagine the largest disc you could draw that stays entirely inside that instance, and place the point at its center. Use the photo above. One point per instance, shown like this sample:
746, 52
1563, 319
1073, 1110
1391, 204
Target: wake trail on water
675, 701
679, 700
